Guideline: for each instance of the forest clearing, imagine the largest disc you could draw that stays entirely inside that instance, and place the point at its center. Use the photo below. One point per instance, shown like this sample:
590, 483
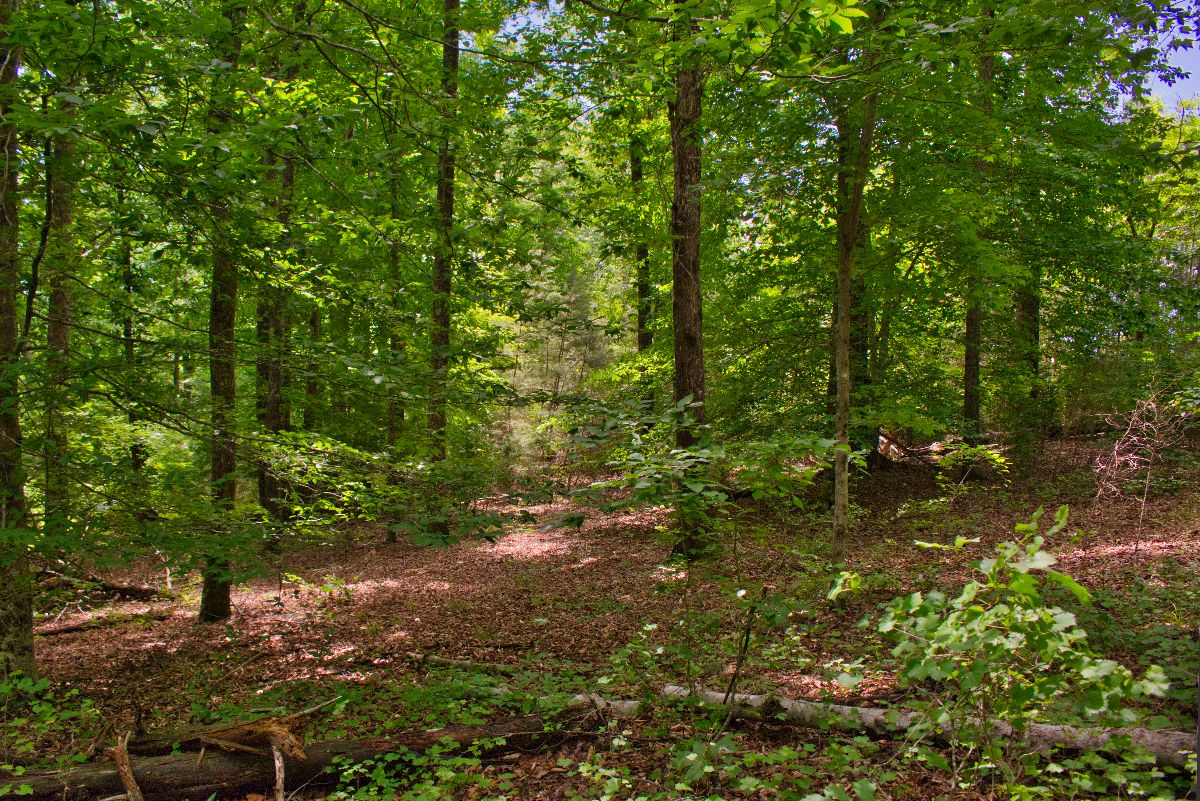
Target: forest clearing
680, 399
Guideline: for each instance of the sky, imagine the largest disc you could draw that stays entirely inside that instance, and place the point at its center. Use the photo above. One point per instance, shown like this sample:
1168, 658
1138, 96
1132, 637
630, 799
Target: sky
1185, 88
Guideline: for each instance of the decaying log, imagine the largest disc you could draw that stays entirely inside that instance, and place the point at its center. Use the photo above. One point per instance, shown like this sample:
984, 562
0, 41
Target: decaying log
1168, 747
232, 774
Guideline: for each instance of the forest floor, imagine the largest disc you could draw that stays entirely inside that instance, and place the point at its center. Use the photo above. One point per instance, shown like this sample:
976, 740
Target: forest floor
600, 608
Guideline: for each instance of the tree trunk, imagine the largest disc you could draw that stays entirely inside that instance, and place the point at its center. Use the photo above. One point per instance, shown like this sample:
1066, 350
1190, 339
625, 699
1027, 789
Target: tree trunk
686, 309
443, 262
1028, 307
973, 324
137, 451
685, 248
395, 337
16, 582
972, 339
854, 158
222, 358
272, 343
62, 255
312, 382
641, 256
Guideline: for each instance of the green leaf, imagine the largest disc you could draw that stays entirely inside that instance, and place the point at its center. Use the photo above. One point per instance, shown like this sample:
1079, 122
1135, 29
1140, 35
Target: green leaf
842, 23
1075, 588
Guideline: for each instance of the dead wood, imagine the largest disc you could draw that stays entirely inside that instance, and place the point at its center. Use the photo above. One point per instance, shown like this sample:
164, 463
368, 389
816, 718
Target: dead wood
252, 736
120, 757
228, 774
1168, 747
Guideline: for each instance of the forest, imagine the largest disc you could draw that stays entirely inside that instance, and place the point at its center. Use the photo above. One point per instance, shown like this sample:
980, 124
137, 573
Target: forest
626, 400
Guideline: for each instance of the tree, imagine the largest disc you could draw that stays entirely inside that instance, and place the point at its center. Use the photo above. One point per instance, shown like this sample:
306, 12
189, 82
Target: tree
16, 583
226, 45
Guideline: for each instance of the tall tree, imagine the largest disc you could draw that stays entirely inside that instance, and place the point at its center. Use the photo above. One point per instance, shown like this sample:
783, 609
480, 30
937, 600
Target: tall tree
443, 259
684, 112
226, 45
16, 582
856, 124
61, 257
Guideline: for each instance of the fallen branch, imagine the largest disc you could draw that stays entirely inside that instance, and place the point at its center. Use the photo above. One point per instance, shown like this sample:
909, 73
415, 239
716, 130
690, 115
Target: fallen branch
120, 757
252, 736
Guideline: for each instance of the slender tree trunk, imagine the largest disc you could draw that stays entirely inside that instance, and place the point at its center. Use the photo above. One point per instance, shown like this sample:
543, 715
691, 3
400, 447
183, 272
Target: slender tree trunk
312, 382
973, 324
443, 263
686, 310
137, 451
854, 158
972, 342
272, 343
16, 582
1028, 325
61, 256
395, 339
222, 354
645, 336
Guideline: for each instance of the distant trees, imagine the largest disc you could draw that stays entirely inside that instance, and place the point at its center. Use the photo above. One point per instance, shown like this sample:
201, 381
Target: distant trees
469, 211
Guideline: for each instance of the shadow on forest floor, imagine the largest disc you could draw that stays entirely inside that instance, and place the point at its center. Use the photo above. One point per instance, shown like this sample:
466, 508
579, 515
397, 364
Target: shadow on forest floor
354, 611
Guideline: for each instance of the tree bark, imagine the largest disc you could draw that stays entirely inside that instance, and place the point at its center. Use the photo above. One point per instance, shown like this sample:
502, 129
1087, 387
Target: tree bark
62, 255
973, 323
686, 303
443, 262
137, 451
395, 337
272, 333
222, 360
972, 341
641, 255
16, 582
855, 137
686, 307
312, 382
1028, 323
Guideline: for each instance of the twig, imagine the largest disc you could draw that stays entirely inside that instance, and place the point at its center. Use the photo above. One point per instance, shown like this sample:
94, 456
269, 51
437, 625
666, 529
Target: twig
743, 649
277, 756
120, 755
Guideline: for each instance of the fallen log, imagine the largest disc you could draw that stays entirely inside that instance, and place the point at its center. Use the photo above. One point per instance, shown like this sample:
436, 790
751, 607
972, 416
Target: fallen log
230, 774
1168, 747
235, 773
